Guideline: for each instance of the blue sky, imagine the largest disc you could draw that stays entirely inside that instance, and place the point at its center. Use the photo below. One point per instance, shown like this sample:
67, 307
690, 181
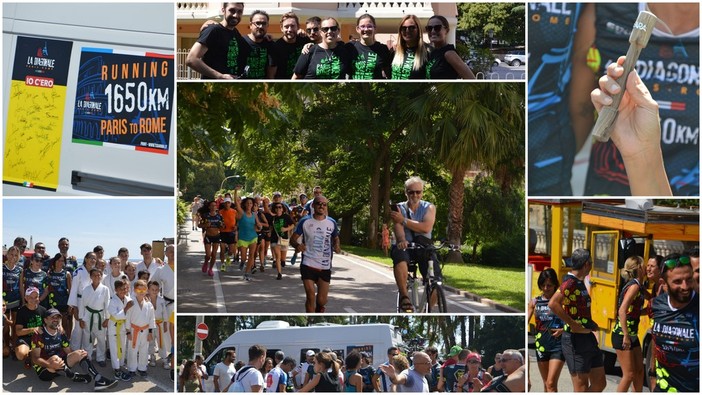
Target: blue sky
111, 223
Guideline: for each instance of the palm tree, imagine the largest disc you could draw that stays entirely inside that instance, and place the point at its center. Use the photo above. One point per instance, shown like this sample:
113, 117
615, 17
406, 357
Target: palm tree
471, 124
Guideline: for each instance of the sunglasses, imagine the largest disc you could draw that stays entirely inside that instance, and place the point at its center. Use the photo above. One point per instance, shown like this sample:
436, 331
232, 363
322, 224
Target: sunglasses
505, 359
413, 192
436, 28
677, 262
405, 29
473, 362
321, 204
312, 30
260, 24
326, 29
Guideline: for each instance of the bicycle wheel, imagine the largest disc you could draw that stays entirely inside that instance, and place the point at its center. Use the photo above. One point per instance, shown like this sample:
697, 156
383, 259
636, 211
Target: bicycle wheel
437, 300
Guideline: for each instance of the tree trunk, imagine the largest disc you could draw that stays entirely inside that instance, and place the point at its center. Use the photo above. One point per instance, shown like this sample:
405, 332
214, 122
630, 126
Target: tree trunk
346, 229
455, 212
374, 206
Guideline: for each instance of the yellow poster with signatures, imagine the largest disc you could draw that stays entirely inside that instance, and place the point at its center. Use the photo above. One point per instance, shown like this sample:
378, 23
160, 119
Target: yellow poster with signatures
35, 113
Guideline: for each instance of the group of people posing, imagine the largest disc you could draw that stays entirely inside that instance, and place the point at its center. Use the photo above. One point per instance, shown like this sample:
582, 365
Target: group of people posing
57, 312
324, 371
664, 288
318, 51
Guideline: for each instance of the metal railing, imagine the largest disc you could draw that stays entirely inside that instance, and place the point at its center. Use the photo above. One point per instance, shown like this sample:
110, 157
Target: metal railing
185, 72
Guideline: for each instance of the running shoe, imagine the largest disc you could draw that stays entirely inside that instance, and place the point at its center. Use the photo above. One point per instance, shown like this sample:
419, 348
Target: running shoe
142, 373
102, 364
280, 276
104, 383
81, 378
247, 277
118, 375
152, 361
127, 376
254, 270
210, 273
204, 267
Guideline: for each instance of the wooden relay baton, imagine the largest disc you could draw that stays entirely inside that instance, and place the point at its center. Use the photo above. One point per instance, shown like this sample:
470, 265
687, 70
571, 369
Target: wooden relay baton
640, 34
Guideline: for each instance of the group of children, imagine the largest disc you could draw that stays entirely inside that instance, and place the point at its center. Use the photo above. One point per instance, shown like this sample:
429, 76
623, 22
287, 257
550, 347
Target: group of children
102, 308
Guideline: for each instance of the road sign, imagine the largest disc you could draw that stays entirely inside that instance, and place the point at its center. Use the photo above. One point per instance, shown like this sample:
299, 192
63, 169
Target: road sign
201, 331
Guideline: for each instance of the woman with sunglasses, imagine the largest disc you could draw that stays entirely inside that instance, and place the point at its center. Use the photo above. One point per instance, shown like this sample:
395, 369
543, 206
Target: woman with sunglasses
625, 339
549, 353
282, 225
475, 377
33, 276
369, 58
444, 62
410, 56
327, 60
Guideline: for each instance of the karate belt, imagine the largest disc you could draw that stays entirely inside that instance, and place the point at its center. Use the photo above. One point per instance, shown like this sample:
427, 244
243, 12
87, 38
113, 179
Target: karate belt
135, 333
160, 333
118, 329
92, 315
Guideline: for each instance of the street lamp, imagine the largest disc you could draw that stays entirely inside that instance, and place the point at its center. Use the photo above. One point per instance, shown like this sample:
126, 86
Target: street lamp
222, 184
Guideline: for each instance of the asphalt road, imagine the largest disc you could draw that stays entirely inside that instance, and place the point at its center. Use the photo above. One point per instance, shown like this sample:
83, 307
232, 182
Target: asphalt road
357, 286
15, 378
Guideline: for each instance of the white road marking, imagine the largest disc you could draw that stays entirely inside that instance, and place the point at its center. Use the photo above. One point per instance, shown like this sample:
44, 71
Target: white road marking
219, 295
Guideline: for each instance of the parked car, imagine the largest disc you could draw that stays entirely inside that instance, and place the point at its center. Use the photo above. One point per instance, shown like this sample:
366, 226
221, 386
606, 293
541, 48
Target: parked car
472, 60
515, 58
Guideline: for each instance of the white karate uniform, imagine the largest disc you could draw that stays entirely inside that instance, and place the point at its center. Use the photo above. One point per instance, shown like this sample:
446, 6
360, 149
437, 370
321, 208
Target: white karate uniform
162, 339
109, 280
139, 320
80, 280
117, 338
153, 266
165, 276
96, 300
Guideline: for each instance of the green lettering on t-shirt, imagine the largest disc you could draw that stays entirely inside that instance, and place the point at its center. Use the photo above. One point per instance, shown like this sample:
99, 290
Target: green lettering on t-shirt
233, 56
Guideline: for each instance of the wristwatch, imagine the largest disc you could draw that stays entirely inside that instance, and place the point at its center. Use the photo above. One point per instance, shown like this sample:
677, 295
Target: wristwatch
404, 221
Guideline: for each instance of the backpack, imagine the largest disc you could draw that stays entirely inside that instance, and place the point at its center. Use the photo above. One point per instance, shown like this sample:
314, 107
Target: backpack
236, 380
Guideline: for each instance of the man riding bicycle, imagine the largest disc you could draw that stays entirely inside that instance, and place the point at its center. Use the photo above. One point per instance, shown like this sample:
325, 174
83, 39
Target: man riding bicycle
413, 223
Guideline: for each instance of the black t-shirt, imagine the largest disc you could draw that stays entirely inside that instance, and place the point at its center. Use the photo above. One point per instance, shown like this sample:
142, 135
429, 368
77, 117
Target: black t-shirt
258, 59
30, 318
368, 62
324, 64
437, 66
284, 56
226, 49
405, 70
676, 334
278, 224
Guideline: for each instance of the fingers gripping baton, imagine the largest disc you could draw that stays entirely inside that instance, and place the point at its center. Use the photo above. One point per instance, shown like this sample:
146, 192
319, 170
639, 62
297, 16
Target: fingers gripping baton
640, 34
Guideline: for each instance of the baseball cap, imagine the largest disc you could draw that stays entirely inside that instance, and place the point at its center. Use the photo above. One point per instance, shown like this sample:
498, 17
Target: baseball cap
310, 353
302, 194
474, 355
455, 350
277, 194
228, 200
37, 256
29, 291
51, 312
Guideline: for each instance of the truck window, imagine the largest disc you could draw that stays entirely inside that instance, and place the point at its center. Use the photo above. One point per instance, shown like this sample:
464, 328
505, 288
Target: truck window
604, 254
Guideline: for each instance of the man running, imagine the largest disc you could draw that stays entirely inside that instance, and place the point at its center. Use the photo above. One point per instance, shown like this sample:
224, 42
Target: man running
320, 236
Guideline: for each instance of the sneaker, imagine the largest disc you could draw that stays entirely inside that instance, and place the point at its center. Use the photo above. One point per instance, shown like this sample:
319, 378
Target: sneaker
167, 365
81, 378
210, 273
152, 362
204, 267
102, 364
127, 376
223, 267
280, 276
104, 383
142, 373
118, 375
253, 270
247, 277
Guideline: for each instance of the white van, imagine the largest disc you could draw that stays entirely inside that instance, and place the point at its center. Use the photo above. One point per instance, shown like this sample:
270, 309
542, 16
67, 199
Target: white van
374, 339
88, 92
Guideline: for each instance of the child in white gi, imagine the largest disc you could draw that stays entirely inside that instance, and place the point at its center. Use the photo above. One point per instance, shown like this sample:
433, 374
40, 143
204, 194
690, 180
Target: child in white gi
119, 305
93, 316
115, 273
141, 323
162, 340
81, 279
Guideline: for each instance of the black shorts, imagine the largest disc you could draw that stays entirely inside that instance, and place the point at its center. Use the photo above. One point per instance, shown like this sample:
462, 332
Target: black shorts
44, 373
617, 340
211, 239
309, 273
581, 352
264, 236
417, 255
545, 356
228, 237
26, 340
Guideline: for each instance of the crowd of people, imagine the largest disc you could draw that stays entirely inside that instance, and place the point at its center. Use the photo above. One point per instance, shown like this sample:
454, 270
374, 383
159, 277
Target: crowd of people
59, 314
416, 371
566, 330
318, 51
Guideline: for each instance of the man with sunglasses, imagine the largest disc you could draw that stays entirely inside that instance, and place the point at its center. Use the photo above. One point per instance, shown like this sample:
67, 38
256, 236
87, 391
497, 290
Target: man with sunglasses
220, 52
571, 303
675, 331
259, 46
312, 25
327, 60
320, 239
413, 223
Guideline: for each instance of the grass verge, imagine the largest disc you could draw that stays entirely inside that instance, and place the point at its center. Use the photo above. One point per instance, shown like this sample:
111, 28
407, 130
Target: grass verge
500, 284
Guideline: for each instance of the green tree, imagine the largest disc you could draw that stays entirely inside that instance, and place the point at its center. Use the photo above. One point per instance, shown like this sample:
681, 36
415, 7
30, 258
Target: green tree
506, 20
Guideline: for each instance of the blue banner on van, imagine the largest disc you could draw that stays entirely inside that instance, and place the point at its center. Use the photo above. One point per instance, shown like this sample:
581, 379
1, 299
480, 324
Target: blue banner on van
124, 99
